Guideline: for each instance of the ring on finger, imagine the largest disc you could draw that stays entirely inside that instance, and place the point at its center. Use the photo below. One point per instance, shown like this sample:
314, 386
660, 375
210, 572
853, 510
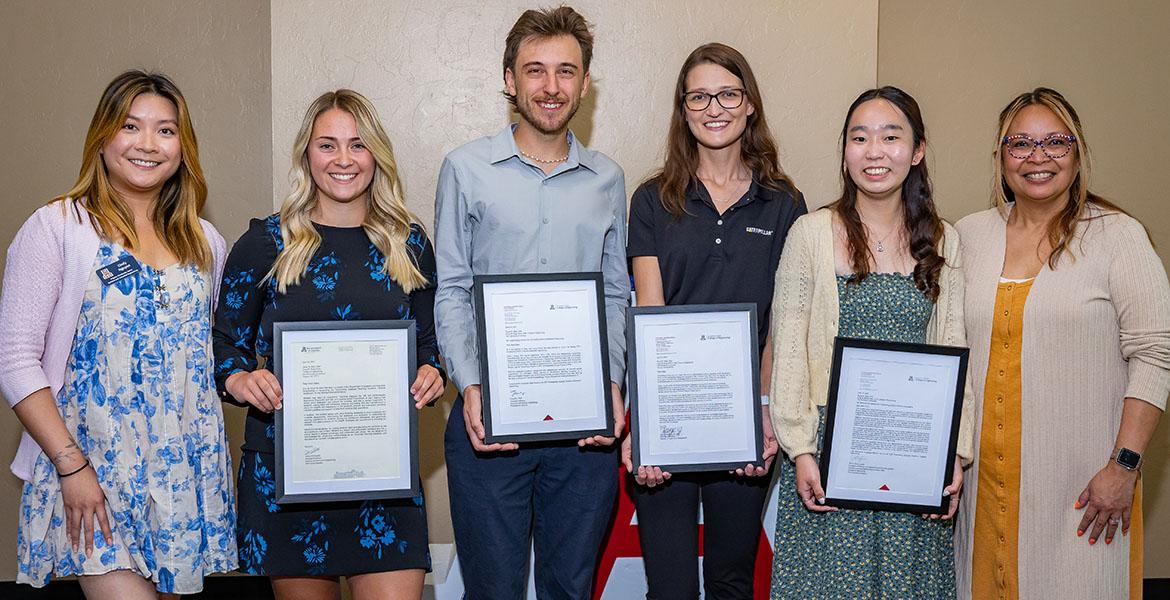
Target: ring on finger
1114, 521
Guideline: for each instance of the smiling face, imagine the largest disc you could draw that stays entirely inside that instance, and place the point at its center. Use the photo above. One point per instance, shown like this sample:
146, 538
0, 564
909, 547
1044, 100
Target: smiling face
146, 151
340, 164
716, 127
880, 149
548, 81
1039, 178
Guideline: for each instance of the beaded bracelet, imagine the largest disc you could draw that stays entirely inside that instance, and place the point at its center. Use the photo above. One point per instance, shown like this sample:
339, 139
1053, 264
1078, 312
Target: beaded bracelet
74, 472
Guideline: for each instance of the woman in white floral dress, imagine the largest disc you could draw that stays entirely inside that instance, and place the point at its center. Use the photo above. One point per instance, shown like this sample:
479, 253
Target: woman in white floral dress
105, 355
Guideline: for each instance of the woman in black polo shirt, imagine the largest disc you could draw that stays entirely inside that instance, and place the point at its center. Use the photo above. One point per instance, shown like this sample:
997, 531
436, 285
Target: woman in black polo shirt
706, 229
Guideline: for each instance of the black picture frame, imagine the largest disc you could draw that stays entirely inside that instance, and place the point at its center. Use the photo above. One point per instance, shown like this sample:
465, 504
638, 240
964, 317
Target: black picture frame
636, 401
480, 283
285, 495
840, 344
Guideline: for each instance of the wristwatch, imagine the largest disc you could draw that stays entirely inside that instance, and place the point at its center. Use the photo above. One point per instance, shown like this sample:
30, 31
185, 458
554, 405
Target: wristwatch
1128, 459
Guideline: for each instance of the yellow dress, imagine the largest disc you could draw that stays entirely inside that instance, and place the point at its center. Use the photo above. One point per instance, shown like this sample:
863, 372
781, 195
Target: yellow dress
995, 561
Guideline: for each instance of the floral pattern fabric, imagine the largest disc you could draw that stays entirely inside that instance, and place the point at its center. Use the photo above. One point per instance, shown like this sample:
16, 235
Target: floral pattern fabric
343, 281
139, 399
862, 554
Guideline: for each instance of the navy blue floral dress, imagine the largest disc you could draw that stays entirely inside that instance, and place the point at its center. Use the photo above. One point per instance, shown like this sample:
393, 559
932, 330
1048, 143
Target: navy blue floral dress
344, 281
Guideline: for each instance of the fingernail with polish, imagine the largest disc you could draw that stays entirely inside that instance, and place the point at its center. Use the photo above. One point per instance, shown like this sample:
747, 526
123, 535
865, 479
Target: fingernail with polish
1092, 541
1080, 532
1108, 541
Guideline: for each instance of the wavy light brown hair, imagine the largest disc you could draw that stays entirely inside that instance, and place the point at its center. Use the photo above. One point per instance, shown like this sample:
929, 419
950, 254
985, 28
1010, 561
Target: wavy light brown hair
547, 23
757, 146
919, 216
387, 221
1062, 229
176, 212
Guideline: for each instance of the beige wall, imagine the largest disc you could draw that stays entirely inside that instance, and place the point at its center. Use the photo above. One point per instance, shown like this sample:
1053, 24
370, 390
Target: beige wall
964, 61
434, 72
58, 57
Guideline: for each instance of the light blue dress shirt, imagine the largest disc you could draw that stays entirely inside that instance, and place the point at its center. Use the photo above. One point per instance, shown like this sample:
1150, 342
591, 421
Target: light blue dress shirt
497, 213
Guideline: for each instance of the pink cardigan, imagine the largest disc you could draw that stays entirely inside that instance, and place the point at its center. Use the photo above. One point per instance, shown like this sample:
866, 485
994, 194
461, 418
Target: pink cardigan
49, 264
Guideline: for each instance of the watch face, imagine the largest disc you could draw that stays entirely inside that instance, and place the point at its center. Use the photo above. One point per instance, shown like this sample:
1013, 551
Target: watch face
1128, 458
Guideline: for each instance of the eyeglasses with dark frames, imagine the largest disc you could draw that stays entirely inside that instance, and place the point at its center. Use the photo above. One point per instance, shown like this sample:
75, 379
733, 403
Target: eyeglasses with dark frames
1054, 146
729, 99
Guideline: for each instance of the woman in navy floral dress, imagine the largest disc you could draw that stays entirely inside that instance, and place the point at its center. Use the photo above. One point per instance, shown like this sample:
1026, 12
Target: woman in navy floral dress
343, 247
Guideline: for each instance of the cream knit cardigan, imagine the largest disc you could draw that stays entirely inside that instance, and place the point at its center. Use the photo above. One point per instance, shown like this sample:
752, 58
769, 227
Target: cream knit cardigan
1096, 331
805, 316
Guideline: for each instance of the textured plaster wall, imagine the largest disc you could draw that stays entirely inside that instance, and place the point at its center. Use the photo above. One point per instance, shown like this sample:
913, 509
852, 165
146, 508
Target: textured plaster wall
965, 60
58, 57
434, 72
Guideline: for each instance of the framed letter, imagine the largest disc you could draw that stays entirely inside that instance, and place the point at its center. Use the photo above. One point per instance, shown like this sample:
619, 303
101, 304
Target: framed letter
694, 387
348, 429
892, 425
543, 357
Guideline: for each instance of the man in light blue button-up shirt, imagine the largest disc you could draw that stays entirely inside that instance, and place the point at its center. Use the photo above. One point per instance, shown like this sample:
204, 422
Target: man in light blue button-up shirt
530, 199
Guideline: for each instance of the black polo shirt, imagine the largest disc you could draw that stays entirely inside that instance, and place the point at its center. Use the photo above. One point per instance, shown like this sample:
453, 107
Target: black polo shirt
708, 258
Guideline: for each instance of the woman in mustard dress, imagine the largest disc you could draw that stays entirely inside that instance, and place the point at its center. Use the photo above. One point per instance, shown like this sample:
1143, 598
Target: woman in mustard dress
1068, 312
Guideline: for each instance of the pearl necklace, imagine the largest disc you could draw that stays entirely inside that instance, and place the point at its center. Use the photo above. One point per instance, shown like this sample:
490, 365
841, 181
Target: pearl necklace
547, 161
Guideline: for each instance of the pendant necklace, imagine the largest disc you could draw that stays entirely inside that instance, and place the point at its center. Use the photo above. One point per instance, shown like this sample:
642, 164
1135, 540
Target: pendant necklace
880, 245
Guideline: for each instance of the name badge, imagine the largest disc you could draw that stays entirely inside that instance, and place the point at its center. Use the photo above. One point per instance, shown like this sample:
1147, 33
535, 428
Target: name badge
119, 270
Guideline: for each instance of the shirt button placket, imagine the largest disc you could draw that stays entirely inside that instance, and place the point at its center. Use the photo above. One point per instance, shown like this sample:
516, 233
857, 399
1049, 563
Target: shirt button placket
545, 232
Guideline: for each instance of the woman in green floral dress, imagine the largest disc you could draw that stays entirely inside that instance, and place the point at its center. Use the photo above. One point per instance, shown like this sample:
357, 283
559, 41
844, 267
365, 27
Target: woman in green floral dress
878, 263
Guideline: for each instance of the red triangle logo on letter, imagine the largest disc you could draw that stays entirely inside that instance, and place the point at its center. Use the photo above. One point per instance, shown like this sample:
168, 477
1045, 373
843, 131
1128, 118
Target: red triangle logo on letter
548, 418
884, 488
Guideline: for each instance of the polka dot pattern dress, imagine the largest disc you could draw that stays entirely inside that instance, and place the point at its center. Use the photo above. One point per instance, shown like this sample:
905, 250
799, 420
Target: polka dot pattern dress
861, 554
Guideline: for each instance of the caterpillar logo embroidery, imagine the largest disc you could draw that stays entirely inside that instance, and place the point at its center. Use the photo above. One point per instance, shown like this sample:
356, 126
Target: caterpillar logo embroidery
759, 231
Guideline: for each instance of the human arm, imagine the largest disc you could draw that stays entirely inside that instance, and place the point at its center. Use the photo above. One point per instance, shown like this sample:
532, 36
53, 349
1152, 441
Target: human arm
953, 332
648, 283
794, 417
1108, 498
616, 278
454, 318
430, 381
33, 283
1141, 298
771, 446
236, 330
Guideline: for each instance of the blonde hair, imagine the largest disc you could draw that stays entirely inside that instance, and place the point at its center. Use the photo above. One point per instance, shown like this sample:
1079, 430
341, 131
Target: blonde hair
176, 213
1063, 228
387, 221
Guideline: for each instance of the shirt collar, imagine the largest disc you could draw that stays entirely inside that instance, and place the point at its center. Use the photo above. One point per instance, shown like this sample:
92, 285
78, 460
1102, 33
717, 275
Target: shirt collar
697, 192
504, 147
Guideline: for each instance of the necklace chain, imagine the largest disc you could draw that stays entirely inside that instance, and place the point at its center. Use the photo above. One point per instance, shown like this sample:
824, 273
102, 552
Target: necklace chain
880, 245
547, 161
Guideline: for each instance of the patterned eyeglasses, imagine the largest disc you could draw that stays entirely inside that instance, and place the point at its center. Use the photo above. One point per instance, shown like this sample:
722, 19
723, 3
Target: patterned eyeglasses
1055, 146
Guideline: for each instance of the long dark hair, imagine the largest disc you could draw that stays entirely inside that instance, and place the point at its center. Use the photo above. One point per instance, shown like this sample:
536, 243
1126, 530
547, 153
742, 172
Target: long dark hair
923, 225
757, 149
